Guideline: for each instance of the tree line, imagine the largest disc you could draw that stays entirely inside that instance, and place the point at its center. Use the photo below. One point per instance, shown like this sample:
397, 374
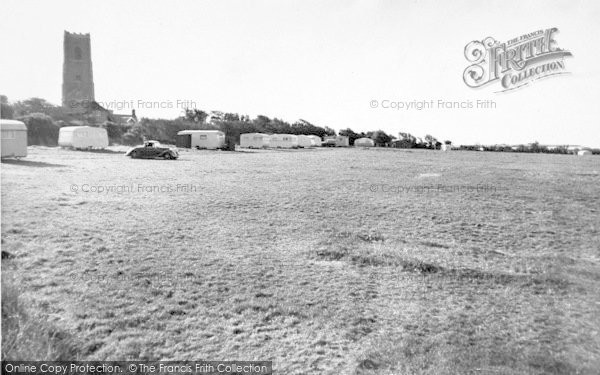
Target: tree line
44, 120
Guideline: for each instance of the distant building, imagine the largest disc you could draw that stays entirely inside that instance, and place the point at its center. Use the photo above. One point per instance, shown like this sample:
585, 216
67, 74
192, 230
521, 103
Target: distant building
124, 119
78, 83
78, 80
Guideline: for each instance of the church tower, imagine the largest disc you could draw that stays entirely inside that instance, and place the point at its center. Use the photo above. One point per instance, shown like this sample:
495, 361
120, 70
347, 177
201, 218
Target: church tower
78, 81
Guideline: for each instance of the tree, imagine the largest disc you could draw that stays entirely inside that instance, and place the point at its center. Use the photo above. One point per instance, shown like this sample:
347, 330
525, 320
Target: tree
216, 117
261, 122
380, 138
232, 130
231, 117
431, 141
280, 127
304, 127
39, 105
32, 105
41, 130
352, 136
406, 140
6, 110
134, 136
195, 115
328, 131
115, 131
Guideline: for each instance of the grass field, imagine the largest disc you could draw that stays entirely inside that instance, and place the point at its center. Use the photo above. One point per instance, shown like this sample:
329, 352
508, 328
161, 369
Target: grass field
327, 261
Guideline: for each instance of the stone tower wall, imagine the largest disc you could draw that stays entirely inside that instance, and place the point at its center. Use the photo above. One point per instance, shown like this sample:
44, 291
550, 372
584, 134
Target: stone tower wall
78, 80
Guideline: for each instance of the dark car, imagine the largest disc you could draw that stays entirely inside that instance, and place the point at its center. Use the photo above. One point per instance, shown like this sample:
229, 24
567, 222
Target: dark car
152, 150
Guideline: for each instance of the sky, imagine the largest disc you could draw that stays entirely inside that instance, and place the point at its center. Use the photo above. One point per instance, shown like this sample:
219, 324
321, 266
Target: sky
334, 63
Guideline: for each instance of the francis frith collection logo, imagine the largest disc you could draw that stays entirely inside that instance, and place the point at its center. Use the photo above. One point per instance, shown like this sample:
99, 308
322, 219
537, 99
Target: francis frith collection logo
515, 63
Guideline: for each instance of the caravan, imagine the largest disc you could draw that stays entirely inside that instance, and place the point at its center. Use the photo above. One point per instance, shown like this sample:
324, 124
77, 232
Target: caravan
14, 138
306, 141
283, 141
254, 140
364, 142
201, 139
82, 137
316, 139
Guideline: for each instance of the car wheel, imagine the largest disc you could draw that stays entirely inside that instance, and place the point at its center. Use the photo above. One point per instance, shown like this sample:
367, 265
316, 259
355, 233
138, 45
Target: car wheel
167, 156
134, 154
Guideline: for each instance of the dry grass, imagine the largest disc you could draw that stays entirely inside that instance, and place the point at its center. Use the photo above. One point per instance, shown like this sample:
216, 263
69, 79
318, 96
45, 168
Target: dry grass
288, 256
25, 335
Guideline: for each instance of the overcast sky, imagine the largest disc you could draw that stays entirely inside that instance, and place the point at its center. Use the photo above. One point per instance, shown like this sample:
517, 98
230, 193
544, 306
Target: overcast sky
323, 61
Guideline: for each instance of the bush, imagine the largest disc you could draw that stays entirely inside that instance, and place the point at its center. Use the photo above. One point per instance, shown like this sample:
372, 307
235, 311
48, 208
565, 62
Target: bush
41, 130
115, 131
230, 142
131, 139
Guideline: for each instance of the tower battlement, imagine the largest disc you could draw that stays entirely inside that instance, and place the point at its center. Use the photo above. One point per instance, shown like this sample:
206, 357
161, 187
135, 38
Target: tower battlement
81, 35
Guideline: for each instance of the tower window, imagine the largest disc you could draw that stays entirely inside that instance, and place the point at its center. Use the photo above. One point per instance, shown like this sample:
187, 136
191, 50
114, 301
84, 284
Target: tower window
78, 77
78, 53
